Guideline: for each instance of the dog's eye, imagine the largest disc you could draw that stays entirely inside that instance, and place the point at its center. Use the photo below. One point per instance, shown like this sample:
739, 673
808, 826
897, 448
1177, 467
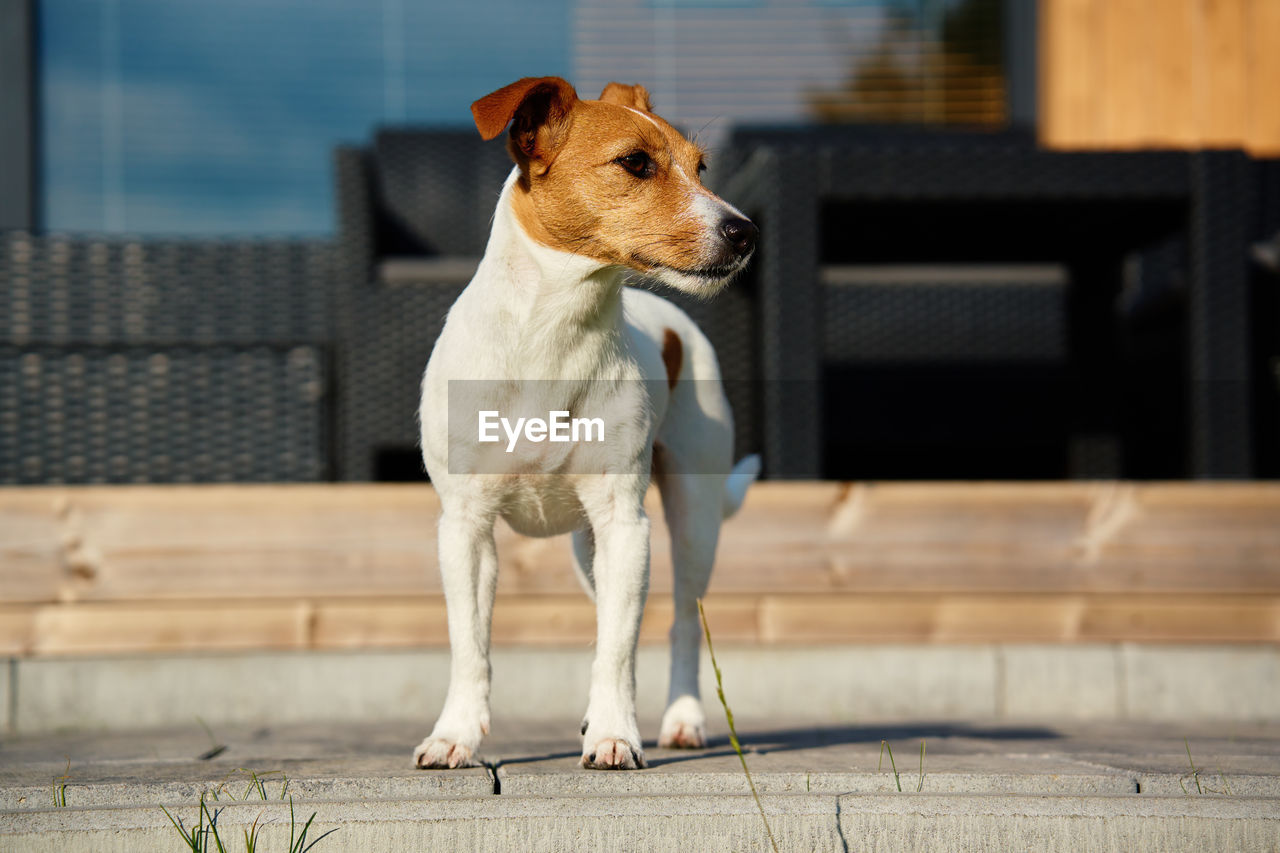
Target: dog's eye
702, 167
639, 164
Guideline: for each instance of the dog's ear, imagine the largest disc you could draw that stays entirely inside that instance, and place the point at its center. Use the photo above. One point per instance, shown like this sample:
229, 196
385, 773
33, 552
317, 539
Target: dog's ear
538, 110
636, 96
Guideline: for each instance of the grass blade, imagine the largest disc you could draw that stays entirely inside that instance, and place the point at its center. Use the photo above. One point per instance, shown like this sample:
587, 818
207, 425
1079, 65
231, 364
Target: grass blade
60, 791
213, 826
733, 732
182, 830
198, 837
884, 745
251, 836
318, 840
920, 786
302, 838
1195, 774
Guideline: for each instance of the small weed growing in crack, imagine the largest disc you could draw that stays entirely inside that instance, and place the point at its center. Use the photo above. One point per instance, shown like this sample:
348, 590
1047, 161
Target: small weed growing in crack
885, 747
733, 732
1194, 775
205, 830
60, 791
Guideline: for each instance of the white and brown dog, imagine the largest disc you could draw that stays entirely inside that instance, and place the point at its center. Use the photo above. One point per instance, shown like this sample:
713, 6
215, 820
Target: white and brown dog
600, 189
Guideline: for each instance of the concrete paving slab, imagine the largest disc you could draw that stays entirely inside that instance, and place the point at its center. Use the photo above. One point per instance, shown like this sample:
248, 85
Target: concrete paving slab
305, 781
772, 774
1061, 682
935, 822
834, 760
829, 684
856, 682
310, 761
159, 690
1197, 682
1211, 784
330, 761
987, 785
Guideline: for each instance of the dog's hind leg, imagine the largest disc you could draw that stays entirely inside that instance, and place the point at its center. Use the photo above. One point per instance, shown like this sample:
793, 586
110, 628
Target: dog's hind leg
469, 572
693, 507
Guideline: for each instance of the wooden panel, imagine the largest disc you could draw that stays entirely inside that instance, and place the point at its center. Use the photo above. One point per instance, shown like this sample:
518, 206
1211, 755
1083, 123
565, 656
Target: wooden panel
557, 620
1020, 618
1264, 79
162, 569
280, 543
1232, 619
362, 624
1119, 74
179, 542
17, 629
118, 628
1173, 106
1070, 72
1222, 60
1126, 70
967, 538
570, 621
32, 567
1170, 539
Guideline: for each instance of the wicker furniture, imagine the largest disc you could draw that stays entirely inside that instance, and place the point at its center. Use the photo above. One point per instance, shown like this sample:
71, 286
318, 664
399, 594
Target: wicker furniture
163, 361
1157, 227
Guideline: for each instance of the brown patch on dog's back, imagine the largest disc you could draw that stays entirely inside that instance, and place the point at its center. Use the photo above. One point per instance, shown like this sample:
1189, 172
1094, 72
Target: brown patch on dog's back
672, 356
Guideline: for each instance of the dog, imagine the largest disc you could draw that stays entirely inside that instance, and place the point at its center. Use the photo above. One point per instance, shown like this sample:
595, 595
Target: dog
600, 190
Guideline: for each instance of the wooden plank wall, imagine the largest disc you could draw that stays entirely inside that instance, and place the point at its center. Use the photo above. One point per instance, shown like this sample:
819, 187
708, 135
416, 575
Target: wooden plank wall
162, 569
1123, 74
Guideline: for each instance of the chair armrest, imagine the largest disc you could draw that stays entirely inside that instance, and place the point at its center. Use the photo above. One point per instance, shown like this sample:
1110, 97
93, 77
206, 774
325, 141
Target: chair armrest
397, 271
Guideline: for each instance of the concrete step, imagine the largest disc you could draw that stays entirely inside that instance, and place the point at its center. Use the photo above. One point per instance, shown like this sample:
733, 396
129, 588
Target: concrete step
730, 823
982, 785
829, 684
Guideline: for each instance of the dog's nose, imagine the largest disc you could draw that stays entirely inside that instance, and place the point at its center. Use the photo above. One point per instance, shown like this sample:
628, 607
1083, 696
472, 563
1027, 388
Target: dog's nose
741, 235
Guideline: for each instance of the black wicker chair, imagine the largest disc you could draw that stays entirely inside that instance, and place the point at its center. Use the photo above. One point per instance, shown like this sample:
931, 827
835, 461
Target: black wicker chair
1136, 351
163, 361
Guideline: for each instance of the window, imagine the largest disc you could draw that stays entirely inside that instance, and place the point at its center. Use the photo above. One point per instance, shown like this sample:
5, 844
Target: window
185, 117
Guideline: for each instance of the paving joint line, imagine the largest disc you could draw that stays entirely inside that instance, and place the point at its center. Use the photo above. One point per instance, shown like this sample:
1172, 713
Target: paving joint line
493, 774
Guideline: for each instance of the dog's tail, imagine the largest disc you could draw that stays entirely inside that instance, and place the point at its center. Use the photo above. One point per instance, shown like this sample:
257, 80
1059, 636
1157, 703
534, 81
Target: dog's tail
739, 479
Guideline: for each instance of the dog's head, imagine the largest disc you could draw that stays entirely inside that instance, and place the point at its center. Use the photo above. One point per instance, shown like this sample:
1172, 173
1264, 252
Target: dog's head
610, 180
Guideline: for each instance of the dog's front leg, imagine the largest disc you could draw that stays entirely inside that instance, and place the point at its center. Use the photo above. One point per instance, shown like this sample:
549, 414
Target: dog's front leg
611, 738
469, 571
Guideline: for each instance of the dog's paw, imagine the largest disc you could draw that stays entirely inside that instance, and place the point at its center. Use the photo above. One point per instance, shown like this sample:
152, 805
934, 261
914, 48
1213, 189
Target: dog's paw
682, 736
438, 753
683, 725
613, 754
